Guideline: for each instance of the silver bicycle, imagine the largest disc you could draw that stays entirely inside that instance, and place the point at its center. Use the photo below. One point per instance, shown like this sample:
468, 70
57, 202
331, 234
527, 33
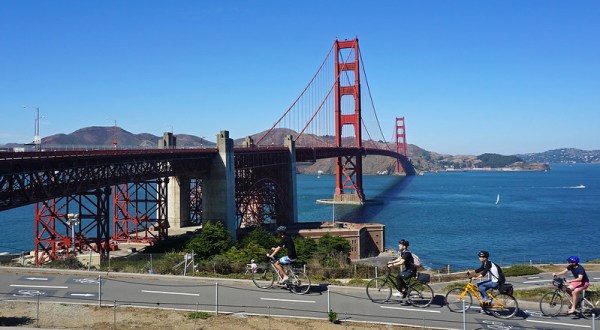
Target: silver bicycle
298, 281
552, 303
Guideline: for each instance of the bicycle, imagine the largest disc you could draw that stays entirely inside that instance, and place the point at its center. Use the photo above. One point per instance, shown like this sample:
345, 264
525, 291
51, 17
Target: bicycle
552, 302
298, 281
503, 305
418, 294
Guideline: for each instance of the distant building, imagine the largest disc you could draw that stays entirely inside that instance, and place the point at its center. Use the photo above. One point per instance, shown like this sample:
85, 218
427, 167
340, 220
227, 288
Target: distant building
366, 239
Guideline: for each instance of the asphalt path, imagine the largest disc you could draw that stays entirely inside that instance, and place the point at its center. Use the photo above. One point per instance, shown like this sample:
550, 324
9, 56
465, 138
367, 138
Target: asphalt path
225, 296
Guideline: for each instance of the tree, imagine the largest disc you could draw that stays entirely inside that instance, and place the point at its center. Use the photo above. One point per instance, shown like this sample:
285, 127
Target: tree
305, 249
264, 238
214, 239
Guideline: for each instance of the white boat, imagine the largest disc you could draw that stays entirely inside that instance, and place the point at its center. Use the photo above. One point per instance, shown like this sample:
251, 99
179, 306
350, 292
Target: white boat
580, 186
498, 199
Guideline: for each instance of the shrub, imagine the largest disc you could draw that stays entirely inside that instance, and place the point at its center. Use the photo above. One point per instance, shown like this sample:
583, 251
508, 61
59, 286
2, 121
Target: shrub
520, 270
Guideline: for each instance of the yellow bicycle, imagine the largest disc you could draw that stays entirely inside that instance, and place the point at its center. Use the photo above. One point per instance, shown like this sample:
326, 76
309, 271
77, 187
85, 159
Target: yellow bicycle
502, 305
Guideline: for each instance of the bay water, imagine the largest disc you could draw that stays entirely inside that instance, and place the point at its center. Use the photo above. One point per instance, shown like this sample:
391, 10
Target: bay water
447, 216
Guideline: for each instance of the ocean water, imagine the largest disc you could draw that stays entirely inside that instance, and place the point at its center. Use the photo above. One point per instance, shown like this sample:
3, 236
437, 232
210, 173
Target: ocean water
448, 216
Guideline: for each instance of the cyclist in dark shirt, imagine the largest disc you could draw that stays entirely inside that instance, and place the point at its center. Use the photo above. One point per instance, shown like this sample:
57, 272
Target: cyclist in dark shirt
580, 283
407, 260
288, 243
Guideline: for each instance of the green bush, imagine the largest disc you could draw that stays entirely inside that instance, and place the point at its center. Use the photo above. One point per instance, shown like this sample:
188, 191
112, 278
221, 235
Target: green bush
520, 270
332, 316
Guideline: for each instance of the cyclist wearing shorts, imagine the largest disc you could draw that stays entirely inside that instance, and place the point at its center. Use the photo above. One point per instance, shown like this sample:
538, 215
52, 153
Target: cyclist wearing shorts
580, 283
288, 243
407, 260
490, 271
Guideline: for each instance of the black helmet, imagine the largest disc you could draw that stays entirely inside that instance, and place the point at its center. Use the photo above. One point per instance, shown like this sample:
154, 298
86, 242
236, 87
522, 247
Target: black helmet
403, 242
281, 229
483, 254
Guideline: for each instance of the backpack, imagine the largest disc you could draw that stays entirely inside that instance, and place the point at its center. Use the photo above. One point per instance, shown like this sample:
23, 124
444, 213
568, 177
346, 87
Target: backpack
501, 279
417, 261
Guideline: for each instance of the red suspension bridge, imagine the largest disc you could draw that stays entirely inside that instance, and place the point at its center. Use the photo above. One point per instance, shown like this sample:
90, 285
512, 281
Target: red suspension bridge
143, 193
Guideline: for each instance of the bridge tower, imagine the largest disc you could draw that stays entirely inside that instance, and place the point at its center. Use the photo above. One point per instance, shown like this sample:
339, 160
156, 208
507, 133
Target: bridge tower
349, 187
400, 141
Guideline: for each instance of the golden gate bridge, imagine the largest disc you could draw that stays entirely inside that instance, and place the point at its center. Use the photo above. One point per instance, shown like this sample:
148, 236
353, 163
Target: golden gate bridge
136, 195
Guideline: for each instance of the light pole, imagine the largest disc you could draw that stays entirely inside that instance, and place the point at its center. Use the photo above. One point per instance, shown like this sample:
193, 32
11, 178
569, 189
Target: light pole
202, 142
73, 220
37, 140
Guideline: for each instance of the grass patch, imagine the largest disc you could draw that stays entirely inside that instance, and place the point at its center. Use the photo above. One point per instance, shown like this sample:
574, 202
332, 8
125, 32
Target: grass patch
199, 315
520, 270
358, 282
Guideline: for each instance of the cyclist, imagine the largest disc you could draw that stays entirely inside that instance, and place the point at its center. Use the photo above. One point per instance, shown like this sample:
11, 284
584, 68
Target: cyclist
407, 260
288, 243
492, 273
580, 283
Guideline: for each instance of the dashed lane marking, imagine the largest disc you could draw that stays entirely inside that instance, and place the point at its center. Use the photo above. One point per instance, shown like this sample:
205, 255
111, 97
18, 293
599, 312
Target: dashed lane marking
174, 293
411, 309
290, 300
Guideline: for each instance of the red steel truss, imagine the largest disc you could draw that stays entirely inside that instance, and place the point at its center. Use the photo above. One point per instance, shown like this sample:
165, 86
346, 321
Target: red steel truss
140, 211
261, 180
400, 142
348, 169
54, 235
196, 202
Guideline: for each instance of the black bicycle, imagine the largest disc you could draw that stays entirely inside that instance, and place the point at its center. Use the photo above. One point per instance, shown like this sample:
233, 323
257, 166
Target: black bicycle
418, 294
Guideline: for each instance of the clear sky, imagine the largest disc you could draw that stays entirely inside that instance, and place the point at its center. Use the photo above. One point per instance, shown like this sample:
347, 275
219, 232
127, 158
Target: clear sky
469, 76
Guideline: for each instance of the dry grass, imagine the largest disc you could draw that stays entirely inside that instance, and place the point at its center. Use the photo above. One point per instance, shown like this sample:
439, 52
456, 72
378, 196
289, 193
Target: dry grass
63, 316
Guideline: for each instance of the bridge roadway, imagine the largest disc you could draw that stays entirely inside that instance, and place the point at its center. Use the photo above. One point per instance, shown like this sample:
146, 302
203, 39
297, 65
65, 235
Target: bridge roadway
242, 297
31, 177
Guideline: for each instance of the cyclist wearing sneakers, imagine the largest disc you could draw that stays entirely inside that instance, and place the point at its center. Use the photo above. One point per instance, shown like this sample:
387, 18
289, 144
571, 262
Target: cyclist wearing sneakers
489, 272
580, 283
407, 260
288, 243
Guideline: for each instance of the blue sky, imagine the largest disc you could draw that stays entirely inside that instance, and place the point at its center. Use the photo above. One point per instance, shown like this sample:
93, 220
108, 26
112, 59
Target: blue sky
469, 76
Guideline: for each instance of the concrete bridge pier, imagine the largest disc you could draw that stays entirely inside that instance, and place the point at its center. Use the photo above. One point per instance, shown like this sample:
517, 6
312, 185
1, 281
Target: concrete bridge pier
218, 188
178, 191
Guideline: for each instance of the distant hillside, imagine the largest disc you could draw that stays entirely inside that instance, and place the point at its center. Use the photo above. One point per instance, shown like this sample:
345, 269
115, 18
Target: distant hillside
565, 155
423, 160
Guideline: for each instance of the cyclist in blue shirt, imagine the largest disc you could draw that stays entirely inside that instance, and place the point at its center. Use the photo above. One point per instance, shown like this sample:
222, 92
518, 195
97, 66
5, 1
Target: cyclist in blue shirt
580, 283
491, 272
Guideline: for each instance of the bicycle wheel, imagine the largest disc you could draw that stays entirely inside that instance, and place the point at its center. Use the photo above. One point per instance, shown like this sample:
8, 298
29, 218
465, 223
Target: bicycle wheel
379, 290
264, 278
551, 303
589, 309
458, 300
420, 294
504, 306
300, 284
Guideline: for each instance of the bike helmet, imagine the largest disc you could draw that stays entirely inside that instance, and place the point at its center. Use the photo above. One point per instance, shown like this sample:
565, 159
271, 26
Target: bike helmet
403, 242
281, 229
573, 259
483, 254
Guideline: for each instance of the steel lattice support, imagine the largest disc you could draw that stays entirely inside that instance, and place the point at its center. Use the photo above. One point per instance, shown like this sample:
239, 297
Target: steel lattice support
348, 169
196, 202
54, 235
261, 183
400, 142
140, 211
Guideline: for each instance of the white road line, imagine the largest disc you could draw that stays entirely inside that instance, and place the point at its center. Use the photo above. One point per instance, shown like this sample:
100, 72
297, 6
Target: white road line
175, 293
411, 309
559, 323
290, 300
83, 294
39, 286
36, 278
537, 281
